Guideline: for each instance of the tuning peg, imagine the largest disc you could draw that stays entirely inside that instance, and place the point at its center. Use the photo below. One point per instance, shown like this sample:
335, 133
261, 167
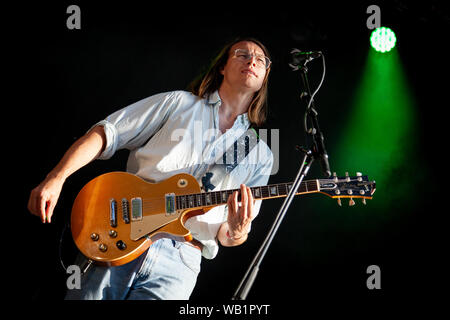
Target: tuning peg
347, 177
351, 202
335, 178
364, 201
339, 202
359, 175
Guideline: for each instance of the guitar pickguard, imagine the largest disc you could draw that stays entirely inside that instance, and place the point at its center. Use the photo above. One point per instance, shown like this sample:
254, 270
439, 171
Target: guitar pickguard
149, 224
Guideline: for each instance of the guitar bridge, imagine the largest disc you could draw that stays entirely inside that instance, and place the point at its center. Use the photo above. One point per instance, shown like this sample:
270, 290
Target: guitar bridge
125, 212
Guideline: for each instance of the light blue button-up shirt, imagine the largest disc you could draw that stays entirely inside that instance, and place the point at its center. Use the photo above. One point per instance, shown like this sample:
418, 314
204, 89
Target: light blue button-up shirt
178, 132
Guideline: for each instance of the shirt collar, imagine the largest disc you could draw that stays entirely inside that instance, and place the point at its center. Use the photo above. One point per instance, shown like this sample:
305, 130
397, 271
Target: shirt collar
214, 99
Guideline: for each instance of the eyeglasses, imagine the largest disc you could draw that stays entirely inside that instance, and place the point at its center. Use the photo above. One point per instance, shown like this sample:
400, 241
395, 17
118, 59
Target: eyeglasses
244, 56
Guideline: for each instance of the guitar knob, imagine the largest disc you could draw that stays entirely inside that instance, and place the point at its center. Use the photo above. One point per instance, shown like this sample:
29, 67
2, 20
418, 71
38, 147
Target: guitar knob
112, 233
121, 245
102, 247
94, 236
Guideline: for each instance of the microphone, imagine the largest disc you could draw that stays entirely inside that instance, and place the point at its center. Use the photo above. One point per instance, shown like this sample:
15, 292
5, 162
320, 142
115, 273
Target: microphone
302, 57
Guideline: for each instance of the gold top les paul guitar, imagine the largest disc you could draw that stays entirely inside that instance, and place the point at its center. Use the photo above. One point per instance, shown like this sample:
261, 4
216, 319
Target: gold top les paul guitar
117, 215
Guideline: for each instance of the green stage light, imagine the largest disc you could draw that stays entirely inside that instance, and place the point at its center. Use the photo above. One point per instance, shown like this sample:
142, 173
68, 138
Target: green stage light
381, 137
383, 39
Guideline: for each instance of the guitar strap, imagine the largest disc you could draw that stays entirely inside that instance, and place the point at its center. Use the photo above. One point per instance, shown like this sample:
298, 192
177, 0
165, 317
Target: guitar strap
230, 159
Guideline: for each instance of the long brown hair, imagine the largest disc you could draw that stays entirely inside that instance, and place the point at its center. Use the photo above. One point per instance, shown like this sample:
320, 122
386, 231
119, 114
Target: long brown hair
210, 81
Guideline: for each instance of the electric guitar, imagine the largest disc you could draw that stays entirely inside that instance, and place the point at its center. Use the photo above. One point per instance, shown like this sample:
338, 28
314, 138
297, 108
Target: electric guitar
116, 216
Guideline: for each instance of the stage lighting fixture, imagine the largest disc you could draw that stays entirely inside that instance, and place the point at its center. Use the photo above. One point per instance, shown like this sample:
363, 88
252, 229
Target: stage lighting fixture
383, 39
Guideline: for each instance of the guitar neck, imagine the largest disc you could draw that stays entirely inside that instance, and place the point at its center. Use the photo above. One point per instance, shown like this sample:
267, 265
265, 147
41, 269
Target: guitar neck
217, 198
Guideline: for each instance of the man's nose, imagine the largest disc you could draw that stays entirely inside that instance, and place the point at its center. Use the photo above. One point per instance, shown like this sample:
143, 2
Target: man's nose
252, 61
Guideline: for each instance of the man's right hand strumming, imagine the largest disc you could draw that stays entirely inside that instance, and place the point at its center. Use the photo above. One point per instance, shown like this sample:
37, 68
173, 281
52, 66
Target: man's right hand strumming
44, 197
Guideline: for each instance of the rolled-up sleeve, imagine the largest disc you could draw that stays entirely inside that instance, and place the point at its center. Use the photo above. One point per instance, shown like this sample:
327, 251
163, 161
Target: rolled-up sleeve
132, 126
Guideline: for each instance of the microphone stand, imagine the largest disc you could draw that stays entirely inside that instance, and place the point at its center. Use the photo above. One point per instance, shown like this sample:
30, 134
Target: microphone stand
319, 150
310, 155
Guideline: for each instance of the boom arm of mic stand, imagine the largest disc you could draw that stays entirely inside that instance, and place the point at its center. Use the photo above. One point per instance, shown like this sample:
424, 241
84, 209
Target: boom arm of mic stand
250, 276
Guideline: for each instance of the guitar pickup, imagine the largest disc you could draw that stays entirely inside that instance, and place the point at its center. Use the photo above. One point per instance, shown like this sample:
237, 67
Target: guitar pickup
113, 213
136, 209
170, 203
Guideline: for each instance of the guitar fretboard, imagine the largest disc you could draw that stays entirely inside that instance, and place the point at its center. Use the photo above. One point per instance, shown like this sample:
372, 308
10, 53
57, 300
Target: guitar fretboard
215, 198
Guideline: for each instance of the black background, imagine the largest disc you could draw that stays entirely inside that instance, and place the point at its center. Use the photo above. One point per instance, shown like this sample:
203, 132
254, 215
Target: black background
63, 81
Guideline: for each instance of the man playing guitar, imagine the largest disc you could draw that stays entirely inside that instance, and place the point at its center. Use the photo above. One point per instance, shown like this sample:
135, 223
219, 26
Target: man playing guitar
161, 133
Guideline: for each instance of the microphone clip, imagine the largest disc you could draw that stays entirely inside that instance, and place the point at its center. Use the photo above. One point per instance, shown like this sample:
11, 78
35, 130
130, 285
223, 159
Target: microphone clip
299, 58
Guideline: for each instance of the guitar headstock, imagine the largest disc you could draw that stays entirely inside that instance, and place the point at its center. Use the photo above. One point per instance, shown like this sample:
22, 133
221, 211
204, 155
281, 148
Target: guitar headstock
357, 186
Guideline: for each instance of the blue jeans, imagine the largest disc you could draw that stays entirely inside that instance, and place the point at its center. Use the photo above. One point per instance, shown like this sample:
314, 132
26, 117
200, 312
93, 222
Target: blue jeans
167, 270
